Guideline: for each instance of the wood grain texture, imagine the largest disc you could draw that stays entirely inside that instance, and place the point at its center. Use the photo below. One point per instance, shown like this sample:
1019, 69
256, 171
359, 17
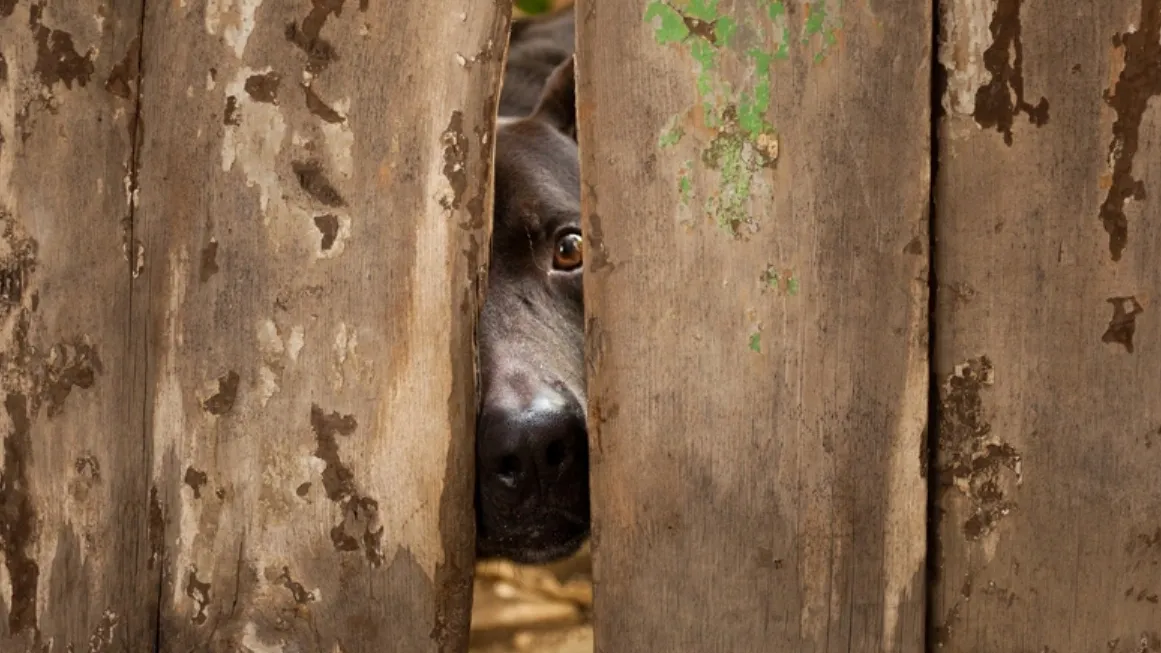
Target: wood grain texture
1048, 338
313, 218
756, 297
74, 568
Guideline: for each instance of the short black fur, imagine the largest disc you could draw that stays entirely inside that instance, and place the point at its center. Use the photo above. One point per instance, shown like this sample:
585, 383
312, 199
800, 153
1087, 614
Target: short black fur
532, 487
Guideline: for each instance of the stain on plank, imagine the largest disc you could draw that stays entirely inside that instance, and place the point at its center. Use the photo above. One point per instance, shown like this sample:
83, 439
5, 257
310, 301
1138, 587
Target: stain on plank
1005, 61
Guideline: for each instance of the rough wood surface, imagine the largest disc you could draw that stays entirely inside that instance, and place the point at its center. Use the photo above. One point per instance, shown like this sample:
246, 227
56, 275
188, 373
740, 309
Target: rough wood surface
238, 317
74, 567
756, 289
313, 218
1048, 338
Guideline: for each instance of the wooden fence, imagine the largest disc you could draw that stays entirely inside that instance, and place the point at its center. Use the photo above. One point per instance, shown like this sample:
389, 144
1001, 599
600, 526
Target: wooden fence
244, 243
874, 351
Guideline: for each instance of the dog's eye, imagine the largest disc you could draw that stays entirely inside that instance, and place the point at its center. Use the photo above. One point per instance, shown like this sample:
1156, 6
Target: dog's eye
569, 252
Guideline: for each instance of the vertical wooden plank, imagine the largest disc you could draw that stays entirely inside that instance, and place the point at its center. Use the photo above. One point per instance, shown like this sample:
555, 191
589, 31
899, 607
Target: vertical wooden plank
755, 184
1048, 337
75, 572
314, 208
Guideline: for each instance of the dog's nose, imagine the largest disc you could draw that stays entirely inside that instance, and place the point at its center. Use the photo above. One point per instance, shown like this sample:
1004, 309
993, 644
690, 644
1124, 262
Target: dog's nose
528, 449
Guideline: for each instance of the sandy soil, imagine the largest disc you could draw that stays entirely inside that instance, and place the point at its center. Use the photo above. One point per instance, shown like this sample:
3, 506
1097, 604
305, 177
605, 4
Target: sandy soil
524, 609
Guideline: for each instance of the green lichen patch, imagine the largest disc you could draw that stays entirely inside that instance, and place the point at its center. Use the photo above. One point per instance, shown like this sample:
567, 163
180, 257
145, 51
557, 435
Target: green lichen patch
685, 182
737, 154
731, 121
822, 26
776, 280
671, 135
698, 19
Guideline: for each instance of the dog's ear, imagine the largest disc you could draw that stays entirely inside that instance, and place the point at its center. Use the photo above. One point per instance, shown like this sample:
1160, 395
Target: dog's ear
557, 103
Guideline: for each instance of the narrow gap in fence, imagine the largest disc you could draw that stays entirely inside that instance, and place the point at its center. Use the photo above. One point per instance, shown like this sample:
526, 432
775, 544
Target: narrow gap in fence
938, 81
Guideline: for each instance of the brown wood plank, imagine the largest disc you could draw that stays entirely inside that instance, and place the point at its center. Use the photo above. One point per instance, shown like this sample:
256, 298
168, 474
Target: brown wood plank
75, 572
1048, 337
756, 290
314, 214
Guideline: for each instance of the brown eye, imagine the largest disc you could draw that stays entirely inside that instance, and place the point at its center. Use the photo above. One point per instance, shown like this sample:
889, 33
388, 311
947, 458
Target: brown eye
570, 252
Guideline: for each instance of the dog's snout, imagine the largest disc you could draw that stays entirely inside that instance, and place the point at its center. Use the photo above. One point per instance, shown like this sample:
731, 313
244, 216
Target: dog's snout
528, 449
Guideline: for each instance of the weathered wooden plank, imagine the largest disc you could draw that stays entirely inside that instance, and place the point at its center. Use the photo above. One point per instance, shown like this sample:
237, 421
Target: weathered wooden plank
755, 196
314, 208
75, 572
1048, 342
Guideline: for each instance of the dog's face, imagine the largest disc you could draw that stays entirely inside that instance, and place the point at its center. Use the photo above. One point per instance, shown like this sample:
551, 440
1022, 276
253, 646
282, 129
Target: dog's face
532, 489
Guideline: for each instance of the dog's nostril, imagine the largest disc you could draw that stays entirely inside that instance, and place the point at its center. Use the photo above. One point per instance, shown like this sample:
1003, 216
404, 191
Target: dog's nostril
509, 469
555, 453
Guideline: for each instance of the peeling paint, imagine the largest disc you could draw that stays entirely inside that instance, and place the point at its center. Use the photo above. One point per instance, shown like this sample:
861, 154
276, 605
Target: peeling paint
195, 480
344, 342
267, 385
1000, 100
139, 248
964, 36
328, 226
307, 36
230, 115
1123, 323
337, 477
455, 152
263, 87
254, 140
973, 458
209, 263
269, 340
282, 578
316, 105
233, 20
57, 59
340, 140
1138, 83
361, 527
273, 349
313, 180
122, 79
295, 343
227, 392
333, 230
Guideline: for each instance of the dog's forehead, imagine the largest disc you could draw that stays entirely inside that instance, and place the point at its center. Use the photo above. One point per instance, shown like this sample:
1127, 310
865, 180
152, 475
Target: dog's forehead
537, 176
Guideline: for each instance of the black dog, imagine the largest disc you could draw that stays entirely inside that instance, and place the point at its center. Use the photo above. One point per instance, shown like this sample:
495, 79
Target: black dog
532, 485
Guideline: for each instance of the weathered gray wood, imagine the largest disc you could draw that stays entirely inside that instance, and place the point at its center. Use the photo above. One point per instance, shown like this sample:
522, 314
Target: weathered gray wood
757, 315
75, 572
1048, 337
313, 219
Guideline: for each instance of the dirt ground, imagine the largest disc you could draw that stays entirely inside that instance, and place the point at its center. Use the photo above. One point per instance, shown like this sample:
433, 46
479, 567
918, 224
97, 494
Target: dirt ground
527, 609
